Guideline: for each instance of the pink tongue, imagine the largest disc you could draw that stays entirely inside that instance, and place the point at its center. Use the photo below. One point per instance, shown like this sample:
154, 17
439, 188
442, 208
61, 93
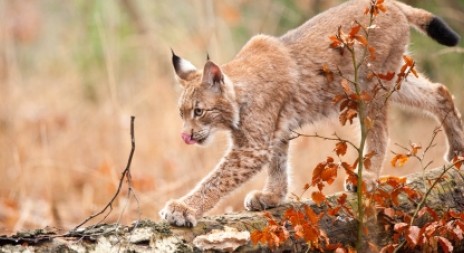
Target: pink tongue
188, 138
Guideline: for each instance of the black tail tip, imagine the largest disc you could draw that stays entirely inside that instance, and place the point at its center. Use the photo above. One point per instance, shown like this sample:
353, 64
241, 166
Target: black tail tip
442, 33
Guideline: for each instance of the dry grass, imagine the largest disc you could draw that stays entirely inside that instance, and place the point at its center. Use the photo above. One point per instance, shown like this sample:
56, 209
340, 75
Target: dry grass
72, 73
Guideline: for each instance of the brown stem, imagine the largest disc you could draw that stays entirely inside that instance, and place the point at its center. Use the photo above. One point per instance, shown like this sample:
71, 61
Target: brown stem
125, 175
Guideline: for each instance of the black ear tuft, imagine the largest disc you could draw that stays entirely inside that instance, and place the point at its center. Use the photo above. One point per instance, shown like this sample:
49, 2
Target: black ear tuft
182, 67
207, 57
175, 61
442, 33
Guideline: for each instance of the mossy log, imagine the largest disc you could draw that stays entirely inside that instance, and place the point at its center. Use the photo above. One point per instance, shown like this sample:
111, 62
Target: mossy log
227, 233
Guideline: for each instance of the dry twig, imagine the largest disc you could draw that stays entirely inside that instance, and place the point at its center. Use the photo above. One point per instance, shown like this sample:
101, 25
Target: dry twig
125, 175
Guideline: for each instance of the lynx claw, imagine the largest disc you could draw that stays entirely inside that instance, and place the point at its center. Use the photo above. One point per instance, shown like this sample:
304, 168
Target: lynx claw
258, 201
178, 214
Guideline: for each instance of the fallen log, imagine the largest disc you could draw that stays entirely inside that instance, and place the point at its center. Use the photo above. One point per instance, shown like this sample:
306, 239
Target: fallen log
231, 232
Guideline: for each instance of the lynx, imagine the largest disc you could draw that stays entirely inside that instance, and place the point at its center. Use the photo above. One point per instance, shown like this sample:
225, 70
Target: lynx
275, 85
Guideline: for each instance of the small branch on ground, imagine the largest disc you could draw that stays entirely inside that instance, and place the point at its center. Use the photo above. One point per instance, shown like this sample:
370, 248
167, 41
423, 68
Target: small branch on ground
126, 174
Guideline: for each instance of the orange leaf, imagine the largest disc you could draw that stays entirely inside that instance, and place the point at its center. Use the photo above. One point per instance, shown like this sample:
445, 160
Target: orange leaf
346, 86
352, 179
295, 217
412, 194
354, 30
327, 72
414, 148
361, 39
298, 231
318, 197
367, 163
333, 211
402, 71
365, 96
317, 173
347, 166
400, 227
312, 216
445, 244
371, 53
428, 210
394, 182
413, 70
389, 212
336, 42
342, 199
458, 233
343, 118
306, 187
413, 235
382, 8
344, 104
388, 248
350, 114
387, 77
329, 174
256, 236
366, 11
381, 197
370, 155
329, 159
311, 234
338, 98
408, 60
270, 219
340, 148
401, 159
457, 161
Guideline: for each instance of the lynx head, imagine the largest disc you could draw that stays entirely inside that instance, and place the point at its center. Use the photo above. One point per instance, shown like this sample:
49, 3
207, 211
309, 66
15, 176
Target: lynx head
207, 102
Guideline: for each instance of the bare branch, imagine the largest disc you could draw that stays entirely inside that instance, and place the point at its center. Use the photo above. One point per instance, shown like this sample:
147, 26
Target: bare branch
316, 135
125, 175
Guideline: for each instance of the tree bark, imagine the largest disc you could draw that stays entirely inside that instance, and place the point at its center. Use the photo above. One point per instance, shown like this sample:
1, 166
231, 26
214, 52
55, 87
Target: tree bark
230, 232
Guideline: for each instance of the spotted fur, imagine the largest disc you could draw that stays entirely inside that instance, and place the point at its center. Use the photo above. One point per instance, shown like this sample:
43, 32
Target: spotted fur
274, 85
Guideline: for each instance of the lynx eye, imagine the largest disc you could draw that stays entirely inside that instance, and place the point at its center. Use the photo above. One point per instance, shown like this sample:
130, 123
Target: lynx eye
197, 112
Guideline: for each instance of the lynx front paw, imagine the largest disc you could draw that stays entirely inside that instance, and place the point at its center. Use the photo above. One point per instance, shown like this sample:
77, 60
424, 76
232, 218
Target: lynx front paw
179, 214
257, 201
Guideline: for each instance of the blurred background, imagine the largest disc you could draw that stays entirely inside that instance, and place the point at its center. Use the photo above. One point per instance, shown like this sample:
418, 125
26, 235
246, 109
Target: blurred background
72, 73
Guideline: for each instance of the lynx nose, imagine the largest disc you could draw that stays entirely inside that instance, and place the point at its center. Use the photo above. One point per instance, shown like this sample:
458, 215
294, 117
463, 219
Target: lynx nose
188, 138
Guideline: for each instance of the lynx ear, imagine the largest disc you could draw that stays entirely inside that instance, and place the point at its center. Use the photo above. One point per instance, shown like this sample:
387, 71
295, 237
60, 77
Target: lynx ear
183, 67
212, 76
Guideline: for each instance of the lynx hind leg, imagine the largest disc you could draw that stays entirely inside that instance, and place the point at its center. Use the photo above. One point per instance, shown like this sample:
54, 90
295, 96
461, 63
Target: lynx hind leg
435, 99
276, 186
376, 145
